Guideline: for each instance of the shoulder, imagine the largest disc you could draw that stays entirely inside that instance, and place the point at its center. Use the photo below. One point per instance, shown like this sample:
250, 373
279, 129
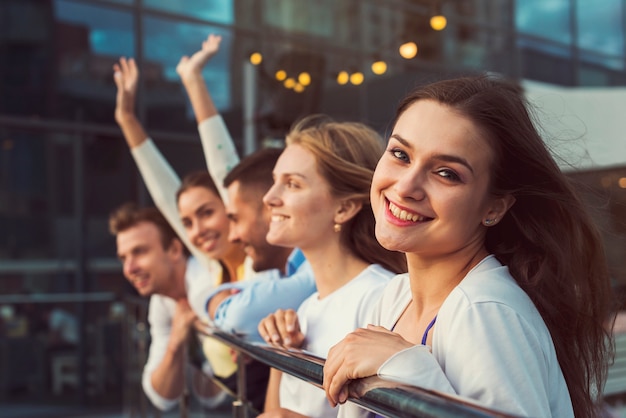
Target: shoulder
491, 282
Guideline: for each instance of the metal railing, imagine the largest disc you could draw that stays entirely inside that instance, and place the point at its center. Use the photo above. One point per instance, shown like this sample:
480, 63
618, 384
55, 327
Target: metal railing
375, 394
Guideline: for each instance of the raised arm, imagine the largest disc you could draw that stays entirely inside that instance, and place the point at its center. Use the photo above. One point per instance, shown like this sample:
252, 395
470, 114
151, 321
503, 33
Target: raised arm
219, 150
126, 76
160, 179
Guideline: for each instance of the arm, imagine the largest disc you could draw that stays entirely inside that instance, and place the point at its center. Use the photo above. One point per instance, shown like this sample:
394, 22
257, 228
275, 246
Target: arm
169, 376
241, 312
165, 354
272, 399
160, 179
219, 149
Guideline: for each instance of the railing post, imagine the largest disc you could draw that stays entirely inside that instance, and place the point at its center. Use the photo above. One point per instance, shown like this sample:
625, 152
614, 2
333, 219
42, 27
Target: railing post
240, 405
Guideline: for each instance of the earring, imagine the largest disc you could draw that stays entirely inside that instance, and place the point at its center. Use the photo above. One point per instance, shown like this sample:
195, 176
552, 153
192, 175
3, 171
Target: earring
489, 222
337, 227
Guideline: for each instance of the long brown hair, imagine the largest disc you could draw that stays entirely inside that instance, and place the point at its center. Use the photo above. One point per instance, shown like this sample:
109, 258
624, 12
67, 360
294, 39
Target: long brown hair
346, 155
547, 239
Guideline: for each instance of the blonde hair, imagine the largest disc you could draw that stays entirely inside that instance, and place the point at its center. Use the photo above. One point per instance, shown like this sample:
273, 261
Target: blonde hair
346, 154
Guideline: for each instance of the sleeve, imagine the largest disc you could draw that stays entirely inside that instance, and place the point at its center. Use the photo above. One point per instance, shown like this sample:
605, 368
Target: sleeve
219, 151
162, 184
242, 312
490, 355
160, 328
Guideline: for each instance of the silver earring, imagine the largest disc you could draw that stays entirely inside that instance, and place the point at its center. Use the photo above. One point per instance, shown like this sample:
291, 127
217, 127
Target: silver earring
489, 222
337, 227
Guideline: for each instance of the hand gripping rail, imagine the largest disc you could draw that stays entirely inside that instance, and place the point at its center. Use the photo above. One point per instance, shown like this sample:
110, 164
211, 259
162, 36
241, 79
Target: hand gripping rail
375, 394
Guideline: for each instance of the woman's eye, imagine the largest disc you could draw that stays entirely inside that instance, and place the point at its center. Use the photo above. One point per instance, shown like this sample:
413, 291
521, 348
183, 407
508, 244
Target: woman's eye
448, 174
292, 184
207, 213
399, 154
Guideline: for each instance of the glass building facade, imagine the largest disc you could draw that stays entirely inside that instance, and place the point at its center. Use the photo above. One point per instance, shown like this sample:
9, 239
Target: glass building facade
64, 164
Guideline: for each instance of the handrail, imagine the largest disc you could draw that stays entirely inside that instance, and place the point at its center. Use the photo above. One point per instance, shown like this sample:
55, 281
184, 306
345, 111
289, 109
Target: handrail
375, 394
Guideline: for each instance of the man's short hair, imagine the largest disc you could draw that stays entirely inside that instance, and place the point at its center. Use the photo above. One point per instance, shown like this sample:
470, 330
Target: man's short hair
130, 215
255, 170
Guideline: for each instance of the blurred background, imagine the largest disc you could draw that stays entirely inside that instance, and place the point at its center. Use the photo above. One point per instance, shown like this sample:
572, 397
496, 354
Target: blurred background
73, 335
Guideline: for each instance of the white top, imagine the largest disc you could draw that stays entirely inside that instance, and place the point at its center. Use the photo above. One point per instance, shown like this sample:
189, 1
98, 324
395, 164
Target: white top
325, 322
489, 345
160, 314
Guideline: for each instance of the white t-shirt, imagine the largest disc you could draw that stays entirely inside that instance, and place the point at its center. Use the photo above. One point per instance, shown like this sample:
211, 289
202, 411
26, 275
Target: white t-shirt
325, 322
490, 345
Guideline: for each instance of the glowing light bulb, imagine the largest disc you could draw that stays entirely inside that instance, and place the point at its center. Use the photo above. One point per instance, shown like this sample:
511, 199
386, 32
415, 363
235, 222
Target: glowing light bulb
290, 83
280, 75
343, 77
438, 22
408, 50
356, 78
304, 79
379, 67
256, 58
298, 88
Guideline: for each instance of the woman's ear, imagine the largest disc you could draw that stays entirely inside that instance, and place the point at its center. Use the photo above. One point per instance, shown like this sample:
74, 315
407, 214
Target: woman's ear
498, 208
347, 210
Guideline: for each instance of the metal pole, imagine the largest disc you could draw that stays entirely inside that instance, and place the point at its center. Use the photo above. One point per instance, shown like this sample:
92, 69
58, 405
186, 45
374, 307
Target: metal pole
240, 408
249, 106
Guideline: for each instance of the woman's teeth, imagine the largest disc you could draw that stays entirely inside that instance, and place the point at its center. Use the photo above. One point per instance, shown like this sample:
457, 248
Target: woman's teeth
403, 214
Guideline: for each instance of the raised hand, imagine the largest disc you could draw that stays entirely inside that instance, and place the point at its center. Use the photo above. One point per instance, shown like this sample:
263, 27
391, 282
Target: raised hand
359, 354
189, 67
282, 327
126, 77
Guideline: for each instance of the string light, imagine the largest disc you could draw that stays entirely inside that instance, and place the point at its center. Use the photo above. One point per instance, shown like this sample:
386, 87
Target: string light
256, 58
379, 67
304, 78
280, 75
438, 22
408, 50
290, 83
298, 88
343, 77
357, 78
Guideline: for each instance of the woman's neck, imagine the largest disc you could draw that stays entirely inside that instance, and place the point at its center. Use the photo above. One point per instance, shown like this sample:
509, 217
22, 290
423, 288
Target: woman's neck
231, 262
333, 266
432, 280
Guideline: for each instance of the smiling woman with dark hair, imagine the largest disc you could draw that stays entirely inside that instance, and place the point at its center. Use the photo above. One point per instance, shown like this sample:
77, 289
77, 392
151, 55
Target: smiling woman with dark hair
507, 292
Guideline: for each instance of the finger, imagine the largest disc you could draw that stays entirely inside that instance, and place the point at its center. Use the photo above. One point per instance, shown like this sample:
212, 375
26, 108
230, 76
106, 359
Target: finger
132, 66
281, 326
118, 79
124, 65
269, 331
291, 321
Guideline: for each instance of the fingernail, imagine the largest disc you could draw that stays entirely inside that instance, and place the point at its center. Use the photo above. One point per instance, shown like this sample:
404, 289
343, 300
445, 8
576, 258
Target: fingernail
289, 328
275, 337
343, 396
287, 341
117, 74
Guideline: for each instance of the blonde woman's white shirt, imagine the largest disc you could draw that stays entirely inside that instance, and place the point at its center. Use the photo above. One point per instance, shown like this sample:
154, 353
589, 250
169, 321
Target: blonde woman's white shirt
325, 322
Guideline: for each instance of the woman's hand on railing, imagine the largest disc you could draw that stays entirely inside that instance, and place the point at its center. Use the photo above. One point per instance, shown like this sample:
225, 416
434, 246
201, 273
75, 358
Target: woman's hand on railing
282, 328
360, 354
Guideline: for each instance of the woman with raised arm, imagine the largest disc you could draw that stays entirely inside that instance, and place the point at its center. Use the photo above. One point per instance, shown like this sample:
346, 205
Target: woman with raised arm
507, 292
195, 207
320, 203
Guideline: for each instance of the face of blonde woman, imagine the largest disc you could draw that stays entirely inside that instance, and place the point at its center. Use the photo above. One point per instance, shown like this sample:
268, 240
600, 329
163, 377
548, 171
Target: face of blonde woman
204, 218
430, 191
301, 206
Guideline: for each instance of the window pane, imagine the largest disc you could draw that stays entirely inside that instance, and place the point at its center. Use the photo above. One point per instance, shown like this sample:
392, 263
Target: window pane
220, 11
166, 41
89, 40
544, 18
600, 28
